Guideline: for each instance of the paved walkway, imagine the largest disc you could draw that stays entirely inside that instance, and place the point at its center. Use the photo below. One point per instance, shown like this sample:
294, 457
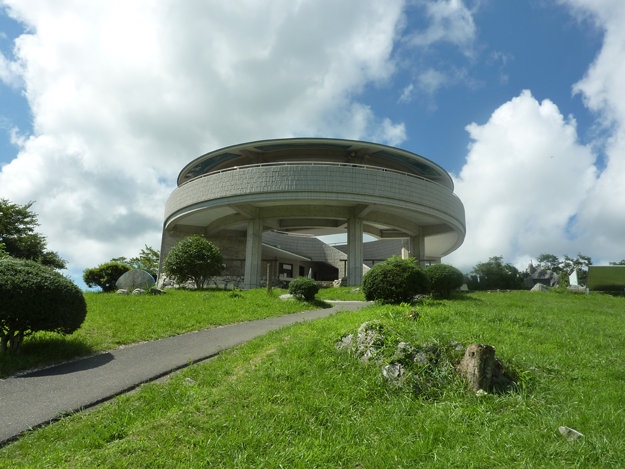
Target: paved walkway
36, 398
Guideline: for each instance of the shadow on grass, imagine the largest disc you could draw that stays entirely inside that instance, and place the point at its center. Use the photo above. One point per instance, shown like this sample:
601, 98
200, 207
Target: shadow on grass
42, 350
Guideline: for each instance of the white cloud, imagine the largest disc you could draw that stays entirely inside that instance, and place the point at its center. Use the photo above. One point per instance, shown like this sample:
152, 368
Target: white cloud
124, 93
601, 220
450, 21
10, 72
525, 177
529, 187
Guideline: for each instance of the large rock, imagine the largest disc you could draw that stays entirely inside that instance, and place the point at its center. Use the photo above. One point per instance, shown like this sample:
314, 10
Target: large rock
539, 287
134, 279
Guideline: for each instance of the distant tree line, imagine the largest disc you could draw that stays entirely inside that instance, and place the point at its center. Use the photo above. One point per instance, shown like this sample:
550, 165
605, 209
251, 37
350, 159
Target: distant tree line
497, 275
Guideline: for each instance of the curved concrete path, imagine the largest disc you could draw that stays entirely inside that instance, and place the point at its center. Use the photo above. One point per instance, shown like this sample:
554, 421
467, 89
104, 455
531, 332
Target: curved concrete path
34, 399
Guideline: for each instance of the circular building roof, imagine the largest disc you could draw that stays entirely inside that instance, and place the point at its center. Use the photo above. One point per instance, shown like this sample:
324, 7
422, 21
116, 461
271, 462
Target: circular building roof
320, 150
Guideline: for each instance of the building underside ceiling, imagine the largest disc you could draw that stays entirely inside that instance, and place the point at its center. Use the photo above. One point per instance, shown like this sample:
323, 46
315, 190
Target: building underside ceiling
308, 217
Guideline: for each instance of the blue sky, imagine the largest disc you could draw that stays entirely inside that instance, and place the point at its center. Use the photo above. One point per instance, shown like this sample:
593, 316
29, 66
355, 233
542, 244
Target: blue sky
102, 103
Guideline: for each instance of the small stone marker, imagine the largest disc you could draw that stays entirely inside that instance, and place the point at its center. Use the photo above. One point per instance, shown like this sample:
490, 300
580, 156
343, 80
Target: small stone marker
477, 366
134, 279
569, 433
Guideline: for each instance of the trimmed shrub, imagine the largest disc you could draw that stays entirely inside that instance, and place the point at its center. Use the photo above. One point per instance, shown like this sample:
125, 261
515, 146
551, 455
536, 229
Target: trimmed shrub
194, 258
105, 276
395, 281
444, 278
35, 298
304, 288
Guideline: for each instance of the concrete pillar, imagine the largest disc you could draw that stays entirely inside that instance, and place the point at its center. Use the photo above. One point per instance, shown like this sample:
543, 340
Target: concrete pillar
253, 250
354, 252
417, 249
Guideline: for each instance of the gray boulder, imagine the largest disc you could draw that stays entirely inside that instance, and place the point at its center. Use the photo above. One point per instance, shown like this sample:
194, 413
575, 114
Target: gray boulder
134, 279
540, 287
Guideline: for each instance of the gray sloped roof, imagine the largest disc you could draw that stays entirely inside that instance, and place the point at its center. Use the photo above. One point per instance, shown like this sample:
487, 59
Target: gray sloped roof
378, 250
312, 248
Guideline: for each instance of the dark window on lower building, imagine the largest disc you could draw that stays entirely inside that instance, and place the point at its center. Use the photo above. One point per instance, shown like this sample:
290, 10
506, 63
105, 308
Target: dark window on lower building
286, 271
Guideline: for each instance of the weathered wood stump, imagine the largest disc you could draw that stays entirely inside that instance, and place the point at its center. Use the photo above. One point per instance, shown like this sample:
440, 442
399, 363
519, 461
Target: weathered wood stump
477, 366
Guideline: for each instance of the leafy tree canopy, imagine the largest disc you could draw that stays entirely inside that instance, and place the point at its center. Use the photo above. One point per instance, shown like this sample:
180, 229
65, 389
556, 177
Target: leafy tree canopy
566, 266
549, 262
147, 260
495, 275
34, 298
618, 263
194, 258
17, 234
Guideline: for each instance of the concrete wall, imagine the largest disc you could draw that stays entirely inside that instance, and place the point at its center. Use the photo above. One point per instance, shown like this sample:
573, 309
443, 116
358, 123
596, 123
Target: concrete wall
319, 183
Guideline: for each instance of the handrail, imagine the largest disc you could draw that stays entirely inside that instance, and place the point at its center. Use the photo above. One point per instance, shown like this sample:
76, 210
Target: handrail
317, 163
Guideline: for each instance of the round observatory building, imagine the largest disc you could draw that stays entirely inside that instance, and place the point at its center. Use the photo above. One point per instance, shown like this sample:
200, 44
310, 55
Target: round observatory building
262, 203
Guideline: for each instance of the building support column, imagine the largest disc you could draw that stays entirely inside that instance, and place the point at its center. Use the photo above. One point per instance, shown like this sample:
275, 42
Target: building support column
354, 252
417, 248
253, 251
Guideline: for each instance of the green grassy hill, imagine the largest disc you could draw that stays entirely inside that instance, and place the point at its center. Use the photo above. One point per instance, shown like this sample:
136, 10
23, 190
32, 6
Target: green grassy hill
291, 399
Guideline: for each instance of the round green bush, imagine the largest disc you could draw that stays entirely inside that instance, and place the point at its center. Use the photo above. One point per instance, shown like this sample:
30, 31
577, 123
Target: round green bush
304, 288
444, 278
105, 276
36, 298
194, 258
395, 281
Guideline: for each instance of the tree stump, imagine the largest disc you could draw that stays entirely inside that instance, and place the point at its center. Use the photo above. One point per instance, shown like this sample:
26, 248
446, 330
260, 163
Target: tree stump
477, 366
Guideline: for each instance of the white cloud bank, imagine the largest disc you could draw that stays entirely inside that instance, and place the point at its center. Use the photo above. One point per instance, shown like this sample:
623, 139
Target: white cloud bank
529, 187
525, 179
125, 93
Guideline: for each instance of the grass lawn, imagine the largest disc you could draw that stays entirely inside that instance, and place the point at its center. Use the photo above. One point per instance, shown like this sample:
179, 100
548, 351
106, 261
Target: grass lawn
291, 399
341, 294
115, 320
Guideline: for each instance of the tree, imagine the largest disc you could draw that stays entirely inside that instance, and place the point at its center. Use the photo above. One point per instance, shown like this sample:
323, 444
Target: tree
105, 276
495, 275
580, 264
17, 233
148, 260
549, 262
194, 258
618, 263
35, 298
